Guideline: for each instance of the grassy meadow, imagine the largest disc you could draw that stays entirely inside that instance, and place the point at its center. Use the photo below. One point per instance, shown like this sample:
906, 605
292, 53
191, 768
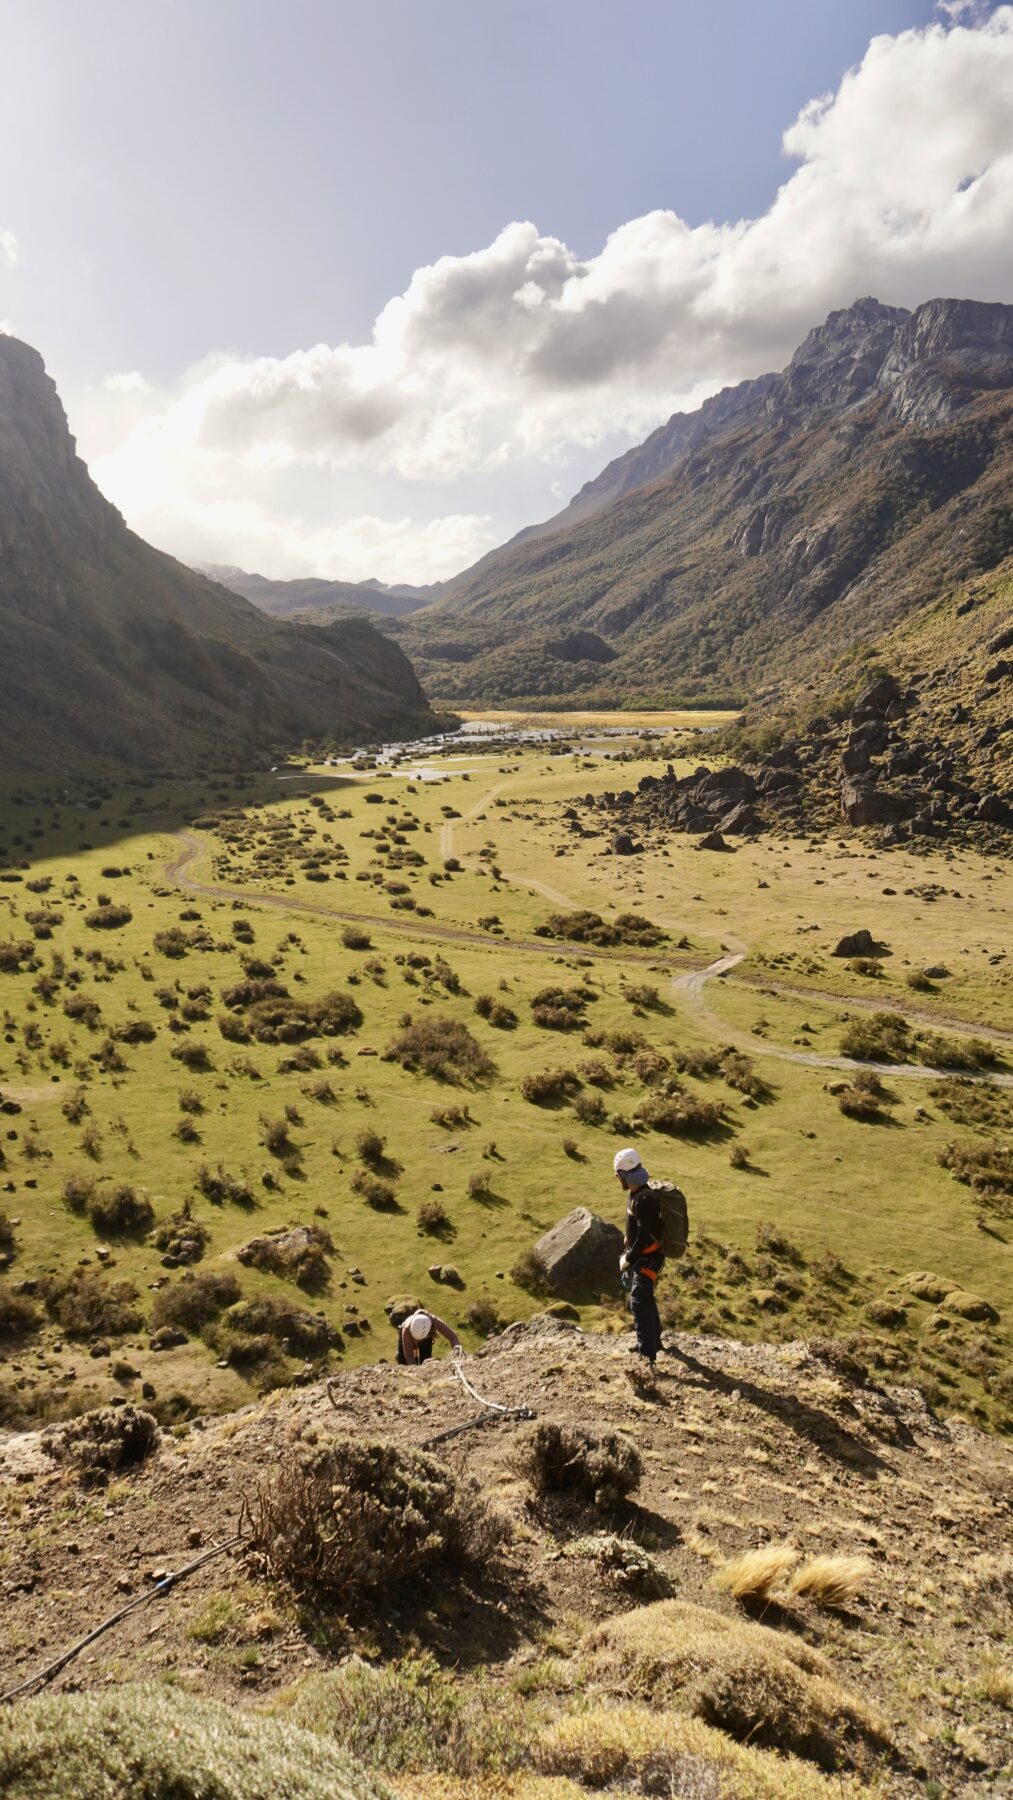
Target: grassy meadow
325, 998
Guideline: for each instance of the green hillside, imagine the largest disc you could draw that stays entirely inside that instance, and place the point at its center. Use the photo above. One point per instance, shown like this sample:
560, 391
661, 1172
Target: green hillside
113, 654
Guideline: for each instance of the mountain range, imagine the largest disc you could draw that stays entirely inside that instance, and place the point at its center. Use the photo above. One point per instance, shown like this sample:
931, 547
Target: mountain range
113, 654
311, 594
787, 522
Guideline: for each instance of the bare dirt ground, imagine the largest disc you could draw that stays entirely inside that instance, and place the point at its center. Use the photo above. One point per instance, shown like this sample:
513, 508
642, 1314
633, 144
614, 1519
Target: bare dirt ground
742, 1446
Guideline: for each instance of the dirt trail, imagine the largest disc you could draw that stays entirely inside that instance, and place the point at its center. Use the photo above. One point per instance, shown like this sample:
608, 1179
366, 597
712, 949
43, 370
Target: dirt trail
688, 987
176, 872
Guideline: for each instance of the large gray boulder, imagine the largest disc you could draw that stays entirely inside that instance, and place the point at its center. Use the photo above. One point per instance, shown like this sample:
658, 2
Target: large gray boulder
581, 1254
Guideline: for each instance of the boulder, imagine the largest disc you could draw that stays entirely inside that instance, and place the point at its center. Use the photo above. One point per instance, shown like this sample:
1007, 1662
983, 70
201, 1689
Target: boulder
992, 808
855, 759
856, 943
862, 805
873, 701
622, 844
741, 821
713, 841
581, 1254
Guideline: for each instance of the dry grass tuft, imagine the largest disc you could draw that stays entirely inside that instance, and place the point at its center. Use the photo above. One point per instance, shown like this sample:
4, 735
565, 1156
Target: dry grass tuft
756, 1684
756, 1573
632, 1747
832, 1580
995, 1682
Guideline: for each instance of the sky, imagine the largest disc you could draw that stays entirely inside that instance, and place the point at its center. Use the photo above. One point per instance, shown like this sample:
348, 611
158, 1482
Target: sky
360, 290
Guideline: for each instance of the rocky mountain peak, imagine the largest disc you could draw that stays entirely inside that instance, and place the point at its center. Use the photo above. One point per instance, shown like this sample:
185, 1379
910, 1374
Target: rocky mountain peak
840, 360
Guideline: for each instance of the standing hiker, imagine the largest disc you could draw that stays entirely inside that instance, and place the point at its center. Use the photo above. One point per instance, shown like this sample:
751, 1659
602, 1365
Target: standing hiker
657, 1226
415, 1336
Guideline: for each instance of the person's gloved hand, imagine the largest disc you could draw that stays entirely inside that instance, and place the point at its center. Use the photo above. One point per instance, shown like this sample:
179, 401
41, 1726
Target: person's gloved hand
624, 1262
456, 1351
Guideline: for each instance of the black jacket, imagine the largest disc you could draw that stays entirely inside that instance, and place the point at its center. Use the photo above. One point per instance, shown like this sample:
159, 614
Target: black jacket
643, 1223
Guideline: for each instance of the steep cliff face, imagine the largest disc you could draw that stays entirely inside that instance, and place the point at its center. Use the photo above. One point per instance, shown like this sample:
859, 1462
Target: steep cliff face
788, 520
112, 653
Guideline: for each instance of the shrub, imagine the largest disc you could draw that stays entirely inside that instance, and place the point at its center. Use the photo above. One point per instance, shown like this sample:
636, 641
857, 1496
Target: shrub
773, 1242
182, 1236
560, 1009
738, 1156
374, 1190
120, 1211
108, 917
623, 1564
987, 1169
160, 1742
599, 1466
83, 1304
356, 937
102, 1442
432, 1217
483, 1316
590, 1109
218, 1185
451, 1118
495, 1013
13, 952
882, 1038
550, 1084
134, 1031
194, 1300
529, 1272
195, 1057
440, 1047
353, 1522
19, 1316
858, 1102
681, 1115
287, 1021
410, 1714
77, 1191
940, 1052
301, 1333
371, 1147
590, 928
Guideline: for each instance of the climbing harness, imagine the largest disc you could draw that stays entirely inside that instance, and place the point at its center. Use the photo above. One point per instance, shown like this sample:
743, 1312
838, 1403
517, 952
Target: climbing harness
492, 1409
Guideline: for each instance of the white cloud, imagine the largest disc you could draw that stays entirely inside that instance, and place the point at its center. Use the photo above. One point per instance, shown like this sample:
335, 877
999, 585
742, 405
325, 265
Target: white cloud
513, 356
131, 381
7, 329
10, 249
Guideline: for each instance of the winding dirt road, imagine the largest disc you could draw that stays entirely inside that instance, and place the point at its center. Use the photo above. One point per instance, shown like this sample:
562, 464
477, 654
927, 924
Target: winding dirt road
688, 988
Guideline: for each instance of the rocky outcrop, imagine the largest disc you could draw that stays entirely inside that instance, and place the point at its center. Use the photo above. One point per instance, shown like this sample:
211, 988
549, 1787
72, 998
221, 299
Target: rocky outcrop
580, 1255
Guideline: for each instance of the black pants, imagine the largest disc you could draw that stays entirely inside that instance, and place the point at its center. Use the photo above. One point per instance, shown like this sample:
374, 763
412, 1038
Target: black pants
644, 1305
423, 1350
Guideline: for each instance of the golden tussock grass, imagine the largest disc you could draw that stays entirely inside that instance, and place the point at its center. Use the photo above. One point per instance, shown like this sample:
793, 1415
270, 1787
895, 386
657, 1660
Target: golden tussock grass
748, 1680
756, 1573
995, 1682
662, 1753
833, 1581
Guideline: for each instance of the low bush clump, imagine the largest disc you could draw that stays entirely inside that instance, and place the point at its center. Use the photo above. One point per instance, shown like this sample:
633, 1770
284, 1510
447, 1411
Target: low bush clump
219, 1185
194, 1300
591, 928
120, 1211
432, 1218
680, 1114
356, 937
14, 952
986, 1168
754, 1574
374, 1190
288, 1021
940, 1052
494, 1012
833, 1581
623, 1564
19, 1316
108, 917
301, 1333
160, 1742
550, 1084
411, 1715
299, 1255
529, 1272
883, 1038
84, 1304
752, 1682
102, 1442
440, 1047
599, 1466
560, 1009
353, 1522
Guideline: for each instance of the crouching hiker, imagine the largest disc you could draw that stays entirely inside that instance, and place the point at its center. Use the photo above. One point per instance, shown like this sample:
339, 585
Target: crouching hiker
415, 1336
657, 1225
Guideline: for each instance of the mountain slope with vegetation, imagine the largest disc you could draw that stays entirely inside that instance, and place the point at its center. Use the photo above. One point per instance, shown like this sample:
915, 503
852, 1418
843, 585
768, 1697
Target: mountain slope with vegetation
112, 653
315, 595
790, 520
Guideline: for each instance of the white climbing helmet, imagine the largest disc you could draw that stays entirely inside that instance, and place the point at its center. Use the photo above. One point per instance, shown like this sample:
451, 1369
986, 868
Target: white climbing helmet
625, 1160
420, 1325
